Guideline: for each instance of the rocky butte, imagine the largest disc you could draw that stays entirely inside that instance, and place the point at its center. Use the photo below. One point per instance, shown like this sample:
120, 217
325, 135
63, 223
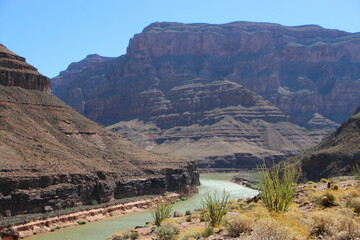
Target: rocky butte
52, 157
226, 95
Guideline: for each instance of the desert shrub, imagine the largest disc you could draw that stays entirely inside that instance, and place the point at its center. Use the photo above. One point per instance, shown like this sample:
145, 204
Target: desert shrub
215, 206
339, 225
277, 186
326, 200
268, 228
351, 194
133, 235
238, 225
188, 218
321, 224
354, 204
188, 212
208, 231
323, 180
168, 231
161, 212
192, 236
346, 228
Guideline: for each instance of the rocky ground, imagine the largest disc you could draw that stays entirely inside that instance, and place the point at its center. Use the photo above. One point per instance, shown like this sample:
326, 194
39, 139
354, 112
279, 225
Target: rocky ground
307, 218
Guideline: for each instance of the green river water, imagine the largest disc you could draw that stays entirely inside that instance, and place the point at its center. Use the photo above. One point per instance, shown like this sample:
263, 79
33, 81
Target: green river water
103, 229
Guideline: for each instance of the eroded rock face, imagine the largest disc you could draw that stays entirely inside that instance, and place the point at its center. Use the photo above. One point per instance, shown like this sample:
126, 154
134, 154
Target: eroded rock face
337, 154
302, 70
52, 157
14, 71
222, 94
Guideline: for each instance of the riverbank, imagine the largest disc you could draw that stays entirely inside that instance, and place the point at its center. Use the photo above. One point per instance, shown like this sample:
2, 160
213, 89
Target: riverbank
325, 210
107, 227
87, 216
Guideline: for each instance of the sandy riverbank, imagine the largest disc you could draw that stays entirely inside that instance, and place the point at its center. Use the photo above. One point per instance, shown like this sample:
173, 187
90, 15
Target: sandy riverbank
88, 216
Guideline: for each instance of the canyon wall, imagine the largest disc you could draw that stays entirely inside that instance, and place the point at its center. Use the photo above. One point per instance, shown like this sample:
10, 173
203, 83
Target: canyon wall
52, 157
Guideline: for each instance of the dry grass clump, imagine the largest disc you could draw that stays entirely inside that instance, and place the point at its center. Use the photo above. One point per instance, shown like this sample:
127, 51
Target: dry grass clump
352, 193
326, 200
354, 204
192, 234
335, 225
168, 231
238, 225
268, 228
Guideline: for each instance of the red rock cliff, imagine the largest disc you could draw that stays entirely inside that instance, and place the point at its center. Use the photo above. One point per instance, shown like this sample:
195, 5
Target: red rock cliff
303, 70
14, 71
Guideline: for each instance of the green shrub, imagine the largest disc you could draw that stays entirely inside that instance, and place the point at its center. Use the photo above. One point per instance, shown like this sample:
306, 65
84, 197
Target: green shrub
188, 212
326, 200
207, 232
133, 235
81, 222
277, 186
215, 206
238, 225
323, 180
354, 204
167, 232
161, 212
188, 218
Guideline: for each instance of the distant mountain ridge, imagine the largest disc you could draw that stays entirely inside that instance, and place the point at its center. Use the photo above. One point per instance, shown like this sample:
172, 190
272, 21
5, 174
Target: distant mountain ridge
177, 75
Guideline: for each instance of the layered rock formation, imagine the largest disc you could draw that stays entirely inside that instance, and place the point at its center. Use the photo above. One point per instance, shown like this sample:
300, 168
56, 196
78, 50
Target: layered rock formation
177, 82
302, 70
337, 154
52, 157
232, 136
14, 71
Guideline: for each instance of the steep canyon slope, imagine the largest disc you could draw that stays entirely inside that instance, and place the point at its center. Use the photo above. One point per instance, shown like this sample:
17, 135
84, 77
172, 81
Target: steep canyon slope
52, 157
220, 93
337, 155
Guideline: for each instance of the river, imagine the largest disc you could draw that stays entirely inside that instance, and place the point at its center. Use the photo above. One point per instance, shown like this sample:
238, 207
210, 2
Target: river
102, 230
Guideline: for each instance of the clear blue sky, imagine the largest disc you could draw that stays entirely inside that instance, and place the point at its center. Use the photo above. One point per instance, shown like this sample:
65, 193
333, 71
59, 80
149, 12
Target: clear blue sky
51, 34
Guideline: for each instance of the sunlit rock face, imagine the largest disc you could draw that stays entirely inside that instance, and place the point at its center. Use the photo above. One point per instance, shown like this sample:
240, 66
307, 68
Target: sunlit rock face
176, 76
14, 71
52, 157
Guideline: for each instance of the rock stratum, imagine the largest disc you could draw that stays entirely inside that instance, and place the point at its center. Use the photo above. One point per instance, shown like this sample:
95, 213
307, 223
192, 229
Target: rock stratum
198, 89
52, 157
337, 154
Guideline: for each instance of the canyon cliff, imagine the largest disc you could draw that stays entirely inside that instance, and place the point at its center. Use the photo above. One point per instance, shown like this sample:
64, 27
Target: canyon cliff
189, 87
52, 157
337, 154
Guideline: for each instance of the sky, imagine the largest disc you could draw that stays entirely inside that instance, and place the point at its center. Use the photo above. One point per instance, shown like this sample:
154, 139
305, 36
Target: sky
51, 34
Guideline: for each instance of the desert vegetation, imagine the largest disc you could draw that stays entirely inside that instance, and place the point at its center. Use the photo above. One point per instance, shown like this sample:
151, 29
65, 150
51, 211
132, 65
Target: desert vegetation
328, 209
